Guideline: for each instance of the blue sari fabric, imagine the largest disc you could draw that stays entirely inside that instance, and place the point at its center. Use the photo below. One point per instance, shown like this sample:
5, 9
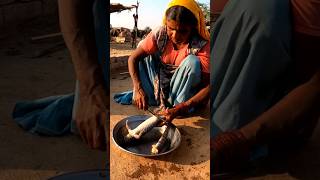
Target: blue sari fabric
183, 84
250, 54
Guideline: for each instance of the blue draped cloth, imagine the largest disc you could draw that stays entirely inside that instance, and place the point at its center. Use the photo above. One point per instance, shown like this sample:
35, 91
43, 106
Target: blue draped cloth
250, 54
183, 85
250, 59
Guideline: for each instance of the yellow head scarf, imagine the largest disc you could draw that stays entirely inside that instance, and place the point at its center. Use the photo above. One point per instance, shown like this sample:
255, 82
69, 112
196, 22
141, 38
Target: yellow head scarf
192, 6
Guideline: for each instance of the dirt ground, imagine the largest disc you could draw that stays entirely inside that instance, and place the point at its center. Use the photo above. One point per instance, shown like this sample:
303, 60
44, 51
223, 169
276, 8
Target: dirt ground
31, 70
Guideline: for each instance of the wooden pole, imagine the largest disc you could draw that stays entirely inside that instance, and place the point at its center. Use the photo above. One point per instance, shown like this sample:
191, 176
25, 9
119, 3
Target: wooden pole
137, 19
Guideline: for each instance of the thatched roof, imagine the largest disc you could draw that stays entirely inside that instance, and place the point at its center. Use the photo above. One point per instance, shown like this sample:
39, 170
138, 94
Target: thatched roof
117, 7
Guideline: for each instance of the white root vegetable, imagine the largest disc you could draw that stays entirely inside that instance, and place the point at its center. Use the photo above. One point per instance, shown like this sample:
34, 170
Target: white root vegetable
156, 148
143, 128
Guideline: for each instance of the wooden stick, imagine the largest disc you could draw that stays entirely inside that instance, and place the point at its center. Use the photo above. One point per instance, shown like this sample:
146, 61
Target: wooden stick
122, 73
46, 36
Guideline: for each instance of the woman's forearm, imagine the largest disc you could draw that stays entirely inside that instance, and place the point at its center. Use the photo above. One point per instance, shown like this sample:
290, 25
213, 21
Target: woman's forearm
298, 107
204, 93
133, 66
200, 97
76, 24
133, 70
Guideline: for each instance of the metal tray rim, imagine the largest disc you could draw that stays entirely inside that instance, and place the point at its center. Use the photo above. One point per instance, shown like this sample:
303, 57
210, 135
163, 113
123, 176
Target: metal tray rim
143, 155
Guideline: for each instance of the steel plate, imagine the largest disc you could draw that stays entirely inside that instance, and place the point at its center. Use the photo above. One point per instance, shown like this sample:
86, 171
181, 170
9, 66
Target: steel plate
144, 144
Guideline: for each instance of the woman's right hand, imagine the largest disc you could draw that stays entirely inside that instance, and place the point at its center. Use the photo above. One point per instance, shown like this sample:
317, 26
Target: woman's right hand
140, 98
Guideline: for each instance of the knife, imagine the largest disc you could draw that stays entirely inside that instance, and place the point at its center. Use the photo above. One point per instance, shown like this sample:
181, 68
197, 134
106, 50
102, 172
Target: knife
150, 111
161, 118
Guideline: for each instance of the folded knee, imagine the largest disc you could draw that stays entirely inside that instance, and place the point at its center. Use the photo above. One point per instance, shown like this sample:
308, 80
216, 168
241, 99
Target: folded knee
272, 14
192, 62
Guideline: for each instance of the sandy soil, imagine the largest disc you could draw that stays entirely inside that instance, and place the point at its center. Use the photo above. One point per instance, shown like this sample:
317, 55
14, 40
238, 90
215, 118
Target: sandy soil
120, 49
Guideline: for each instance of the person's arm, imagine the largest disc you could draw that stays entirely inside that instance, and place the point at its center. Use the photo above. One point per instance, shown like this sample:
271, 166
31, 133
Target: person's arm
146, 47
76, 23
292, 110
183, 108
133, 63
230, 149
201, 96
204, 93
140, 98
